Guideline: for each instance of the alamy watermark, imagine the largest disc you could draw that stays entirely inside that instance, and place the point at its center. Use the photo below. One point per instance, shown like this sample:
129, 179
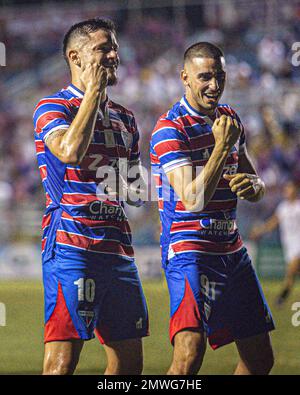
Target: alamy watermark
124, 181
2, 54
296, 54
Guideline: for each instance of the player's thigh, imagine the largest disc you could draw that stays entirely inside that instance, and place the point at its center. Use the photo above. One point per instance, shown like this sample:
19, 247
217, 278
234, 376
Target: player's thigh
72, 299
125, 354
195, 284
61, 357
256, 353
183, 281
190, 345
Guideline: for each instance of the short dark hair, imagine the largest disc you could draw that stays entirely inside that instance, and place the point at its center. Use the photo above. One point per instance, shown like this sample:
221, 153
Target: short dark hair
202, 49
84, 28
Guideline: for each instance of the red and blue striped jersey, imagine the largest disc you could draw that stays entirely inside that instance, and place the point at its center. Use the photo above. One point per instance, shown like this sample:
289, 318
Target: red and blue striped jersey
183, 137
75, 219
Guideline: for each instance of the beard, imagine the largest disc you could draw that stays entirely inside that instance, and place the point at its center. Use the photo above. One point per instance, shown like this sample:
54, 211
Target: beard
112, 79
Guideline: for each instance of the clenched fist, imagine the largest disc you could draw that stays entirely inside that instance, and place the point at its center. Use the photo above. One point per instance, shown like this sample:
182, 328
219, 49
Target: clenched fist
226, 131
94, 76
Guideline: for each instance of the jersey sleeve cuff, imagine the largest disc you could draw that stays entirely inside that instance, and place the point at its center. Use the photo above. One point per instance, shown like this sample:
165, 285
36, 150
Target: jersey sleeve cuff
176, 163
54, 130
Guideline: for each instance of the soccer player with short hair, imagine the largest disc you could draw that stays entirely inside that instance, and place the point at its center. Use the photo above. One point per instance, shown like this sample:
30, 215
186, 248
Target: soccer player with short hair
90, 278
287, 218
201, 167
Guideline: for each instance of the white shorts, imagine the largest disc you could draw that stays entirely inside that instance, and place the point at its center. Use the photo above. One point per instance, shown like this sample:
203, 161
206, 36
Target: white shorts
291, 251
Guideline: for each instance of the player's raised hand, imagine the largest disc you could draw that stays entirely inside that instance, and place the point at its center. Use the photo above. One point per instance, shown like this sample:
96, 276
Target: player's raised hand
226, 131
94, 76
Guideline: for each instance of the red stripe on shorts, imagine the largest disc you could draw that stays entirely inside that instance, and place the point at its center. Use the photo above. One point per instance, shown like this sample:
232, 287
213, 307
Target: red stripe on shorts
60, 325
187, 315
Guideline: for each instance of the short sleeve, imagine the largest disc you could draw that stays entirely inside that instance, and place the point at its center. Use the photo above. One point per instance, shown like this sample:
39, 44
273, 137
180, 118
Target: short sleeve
50, 115
171, 146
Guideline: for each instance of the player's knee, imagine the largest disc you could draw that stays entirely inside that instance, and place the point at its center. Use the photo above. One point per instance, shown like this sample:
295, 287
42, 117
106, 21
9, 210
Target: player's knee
61, 367
185, 366
188, 359
190, 362
125, 366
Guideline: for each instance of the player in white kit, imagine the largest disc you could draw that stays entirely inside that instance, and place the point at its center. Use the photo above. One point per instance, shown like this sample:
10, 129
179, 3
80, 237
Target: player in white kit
287, 217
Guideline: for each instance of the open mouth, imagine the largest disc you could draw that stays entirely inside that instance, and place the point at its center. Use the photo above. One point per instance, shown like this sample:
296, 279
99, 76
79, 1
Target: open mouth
212, 96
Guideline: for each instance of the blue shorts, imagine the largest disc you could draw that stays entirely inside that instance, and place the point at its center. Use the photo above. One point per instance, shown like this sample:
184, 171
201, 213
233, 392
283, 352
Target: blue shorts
219, 294
104, 296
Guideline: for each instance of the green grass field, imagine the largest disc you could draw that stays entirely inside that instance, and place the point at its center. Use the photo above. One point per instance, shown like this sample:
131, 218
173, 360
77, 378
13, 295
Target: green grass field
21, 341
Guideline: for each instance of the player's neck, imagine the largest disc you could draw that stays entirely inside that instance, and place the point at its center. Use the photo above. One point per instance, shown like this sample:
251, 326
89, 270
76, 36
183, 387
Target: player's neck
193, 103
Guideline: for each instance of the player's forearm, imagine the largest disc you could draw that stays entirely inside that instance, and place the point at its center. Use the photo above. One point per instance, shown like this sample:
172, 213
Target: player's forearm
270, 225
76, 140
201, 189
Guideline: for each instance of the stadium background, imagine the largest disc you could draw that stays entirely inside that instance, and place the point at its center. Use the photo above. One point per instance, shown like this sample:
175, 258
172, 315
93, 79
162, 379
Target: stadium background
262, 85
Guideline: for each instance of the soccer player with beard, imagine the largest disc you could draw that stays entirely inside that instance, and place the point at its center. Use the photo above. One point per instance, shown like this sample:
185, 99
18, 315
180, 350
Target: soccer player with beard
90, 279
201, 167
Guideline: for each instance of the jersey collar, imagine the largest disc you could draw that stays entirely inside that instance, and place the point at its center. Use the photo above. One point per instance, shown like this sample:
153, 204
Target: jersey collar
76, 91
192, 111
104, 115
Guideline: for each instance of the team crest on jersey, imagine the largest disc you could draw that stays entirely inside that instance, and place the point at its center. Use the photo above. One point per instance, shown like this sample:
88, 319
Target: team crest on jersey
86, 316
235, 147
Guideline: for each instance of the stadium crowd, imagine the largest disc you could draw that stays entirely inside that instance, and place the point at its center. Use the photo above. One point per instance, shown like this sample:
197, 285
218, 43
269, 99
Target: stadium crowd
263, 85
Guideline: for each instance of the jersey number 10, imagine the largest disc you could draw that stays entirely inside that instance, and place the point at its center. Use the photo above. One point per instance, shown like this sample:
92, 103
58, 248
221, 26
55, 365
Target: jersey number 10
86, 289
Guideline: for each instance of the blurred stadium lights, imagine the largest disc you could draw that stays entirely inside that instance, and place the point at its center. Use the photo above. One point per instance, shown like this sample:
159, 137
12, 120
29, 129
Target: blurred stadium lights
54, 66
